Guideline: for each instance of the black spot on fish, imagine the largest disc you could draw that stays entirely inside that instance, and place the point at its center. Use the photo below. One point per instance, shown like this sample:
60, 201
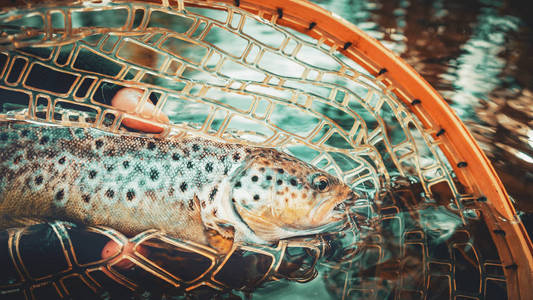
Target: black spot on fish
213, 193
195, 147
24, 133
110, 168
44, 140
126, 164
109, 193
279, 182
248, 151
255, 178
256, 197
61, 160
183, 186
261, 169
186, 152
92, 174
130, 195
203, 204
38, 180
17, 159
238, 184
269, 177
209, 167
86, 198
99, 144
226, 170
293, 182
151, 146
175, 156
30, 153
189, 165
191, 204
236, 156
154, 174
60, 195
281, 171
4, 136
110, 152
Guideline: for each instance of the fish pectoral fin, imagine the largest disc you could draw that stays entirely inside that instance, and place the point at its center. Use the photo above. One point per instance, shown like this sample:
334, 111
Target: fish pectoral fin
220, 235
223, 242
224, 228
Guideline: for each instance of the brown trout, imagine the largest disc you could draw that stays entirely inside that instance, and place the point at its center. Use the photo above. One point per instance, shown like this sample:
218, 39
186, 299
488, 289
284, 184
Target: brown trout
183, 185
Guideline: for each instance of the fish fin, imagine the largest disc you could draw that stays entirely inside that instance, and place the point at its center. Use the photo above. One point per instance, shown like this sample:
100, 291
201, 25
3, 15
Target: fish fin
219, 242
222, 227
220, 234
196, 201
9, 221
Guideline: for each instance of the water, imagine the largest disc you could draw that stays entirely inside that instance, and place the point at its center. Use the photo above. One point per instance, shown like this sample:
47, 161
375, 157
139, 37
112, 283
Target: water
477, 54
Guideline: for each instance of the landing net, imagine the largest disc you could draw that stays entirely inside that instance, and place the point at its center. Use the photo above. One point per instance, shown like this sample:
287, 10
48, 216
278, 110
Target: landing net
288, 75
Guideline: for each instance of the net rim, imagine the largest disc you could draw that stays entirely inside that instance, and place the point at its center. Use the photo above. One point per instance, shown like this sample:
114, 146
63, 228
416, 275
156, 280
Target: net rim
470, 164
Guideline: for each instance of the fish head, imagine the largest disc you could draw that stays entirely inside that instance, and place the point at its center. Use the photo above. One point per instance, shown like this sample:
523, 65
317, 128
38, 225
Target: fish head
279, 196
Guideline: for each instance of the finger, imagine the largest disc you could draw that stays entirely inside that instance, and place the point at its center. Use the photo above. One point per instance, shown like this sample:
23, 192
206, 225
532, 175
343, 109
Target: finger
112, 248
127, 100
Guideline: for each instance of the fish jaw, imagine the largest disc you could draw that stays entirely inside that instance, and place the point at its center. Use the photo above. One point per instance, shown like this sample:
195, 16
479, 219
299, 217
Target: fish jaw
270, 231
331, 210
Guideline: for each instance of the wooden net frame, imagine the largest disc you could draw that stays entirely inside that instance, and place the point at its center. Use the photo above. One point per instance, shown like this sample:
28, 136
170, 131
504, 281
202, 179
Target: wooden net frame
333, 68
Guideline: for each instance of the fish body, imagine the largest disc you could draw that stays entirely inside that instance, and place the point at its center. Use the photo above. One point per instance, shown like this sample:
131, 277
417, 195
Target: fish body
183, 185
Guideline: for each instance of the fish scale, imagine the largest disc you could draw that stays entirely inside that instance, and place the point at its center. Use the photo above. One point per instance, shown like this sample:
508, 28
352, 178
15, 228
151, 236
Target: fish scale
183, 185
110, 174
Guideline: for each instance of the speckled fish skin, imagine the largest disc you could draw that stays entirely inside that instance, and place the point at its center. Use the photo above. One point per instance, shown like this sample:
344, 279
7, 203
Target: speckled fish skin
181, 185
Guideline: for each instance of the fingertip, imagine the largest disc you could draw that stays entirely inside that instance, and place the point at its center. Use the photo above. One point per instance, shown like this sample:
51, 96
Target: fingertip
127, 99
111, 249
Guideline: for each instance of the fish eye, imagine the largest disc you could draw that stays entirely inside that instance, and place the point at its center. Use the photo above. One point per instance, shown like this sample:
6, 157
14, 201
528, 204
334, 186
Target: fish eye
321, 183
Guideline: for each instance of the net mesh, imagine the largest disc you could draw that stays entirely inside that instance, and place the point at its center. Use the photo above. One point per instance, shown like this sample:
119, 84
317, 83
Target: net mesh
224, 72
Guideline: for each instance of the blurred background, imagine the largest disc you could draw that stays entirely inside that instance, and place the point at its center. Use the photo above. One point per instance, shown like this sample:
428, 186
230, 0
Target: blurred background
479, 55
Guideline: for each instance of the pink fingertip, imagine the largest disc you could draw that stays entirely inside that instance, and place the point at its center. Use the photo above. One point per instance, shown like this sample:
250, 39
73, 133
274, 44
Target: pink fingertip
112, 249
126, 100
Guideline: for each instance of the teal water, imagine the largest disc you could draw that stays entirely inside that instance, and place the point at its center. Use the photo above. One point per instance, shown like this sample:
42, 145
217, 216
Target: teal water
477, 54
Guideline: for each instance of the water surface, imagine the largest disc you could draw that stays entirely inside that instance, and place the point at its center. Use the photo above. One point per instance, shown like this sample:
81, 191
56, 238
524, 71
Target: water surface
477, 54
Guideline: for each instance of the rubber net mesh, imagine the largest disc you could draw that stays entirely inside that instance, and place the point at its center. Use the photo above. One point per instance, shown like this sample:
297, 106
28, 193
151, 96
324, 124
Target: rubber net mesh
222, 72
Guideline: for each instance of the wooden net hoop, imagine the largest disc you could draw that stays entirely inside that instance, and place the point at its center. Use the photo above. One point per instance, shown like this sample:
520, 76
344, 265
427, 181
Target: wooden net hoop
362, 73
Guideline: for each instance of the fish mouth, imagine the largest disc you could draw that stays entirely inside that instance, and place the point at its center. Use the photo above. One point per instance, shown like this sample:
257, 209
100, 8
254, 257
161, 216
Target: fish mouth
332, 211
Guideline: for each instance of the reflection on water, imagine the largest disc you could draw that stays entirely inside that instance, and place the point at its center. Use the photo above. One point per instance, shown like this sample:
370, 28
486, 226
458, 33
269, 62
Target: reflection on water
416, 248
477, 54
